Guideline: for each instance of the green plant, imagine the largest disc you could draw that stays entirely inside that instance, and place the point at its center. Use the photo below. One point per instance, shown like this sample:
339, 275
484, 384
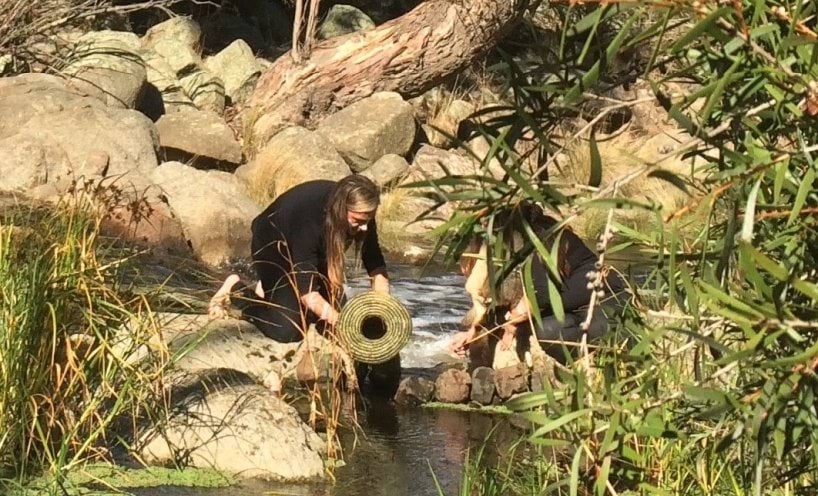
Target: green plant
711, 387
67, 333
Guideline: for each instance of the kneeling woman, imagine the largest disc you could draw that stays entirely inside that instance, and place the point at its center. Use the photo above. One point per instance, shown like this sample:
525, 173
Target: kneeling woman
575, 262
298, 248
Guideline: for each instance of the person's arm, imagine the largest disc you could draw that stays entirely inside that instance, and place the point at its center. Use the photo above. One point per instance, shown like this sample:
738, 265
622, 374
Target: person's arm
316, 304
373, 260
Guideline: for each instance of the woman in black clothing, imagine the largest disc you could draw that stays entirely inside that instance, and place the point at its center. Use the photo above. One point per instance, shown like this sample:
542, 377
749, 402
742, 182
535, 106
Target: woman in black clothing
298, 248
576, 266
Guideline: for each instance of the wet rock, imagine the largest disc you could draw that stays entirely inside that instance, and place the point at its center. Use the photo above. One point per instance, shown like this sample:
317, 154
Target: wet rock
291, 157
237, 67
109, 62
200, 138
504, 358
482, 385
453, 386
213, 207
344, 19
371, 128
414, 391
542, 373
223, 419
205, 90
178, 41
387, 169
511, 380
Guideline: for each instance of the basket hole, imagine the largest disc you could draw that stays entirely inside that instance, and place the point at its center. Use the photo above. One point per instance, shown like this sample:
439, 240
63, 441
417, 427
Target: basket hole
373, 327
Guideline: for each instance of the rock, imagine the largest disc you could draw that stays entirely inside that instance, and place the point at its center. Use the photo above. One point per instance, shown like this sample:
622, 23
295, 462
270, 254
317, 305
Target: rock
452, 386
447, 122
200, 138
505, 357
66, 132
343, 19
222, 419
542, 373
371, 128
143, 216
237, 67
214, 210
178, 41
6, 64
387, 169
482, 385
511, 380
205, 90
221, 29
414, 391
291, 157
109, 61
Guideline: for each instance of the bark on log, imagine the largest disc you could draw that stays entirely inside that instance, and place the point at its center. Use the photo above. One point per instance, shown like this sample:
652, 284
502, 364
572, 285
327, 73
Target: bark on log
409, 55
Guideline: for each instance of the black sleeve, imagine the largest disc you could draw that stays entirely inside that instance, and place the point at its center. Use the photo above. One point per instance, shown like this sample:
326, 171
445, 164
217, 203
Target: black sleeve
371, 254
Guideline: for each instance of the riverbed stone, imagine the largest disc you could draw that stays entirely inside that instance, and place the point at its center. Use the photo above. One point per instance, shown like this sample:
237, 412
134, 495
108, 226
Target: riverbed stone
444, 126
205, 90
225, 420
200, 138
482, 385
237, 67
344, 19
453, 386
387, 169
511, 380
178, 41
371, 128
415, 391
293, 156
109, 62
214, 209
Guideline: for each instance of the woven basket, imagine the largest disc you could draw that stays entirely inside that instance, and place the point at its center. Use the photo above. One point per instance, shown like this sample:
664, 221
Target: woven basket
396, 321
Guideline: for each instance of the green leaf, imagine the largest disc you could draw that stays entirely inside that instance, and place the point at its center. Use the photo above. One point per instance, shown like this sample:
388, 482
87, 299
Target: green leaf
705, 26
596, 163
559, 422
666, 175
749, 214
801, 196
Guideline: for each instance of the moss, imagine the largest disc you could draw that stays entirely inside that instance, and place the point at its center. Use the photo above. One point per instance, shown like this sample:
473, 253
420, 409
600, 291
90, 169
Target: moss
468, 407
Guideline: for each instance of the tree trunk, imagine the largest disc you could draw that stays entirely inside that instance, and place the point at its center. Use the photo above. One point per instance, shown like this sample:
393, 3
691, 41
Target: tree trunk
409, 55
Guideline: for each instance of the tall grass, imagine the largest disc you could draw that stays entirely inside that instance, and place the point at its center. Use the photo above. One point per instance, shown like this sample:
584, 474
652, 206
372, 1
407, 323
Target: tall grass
64, 371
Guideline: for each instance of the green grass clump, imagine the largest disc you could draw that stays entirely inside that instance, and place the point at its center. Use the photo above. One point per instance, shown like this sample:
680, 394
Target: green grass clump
65, 376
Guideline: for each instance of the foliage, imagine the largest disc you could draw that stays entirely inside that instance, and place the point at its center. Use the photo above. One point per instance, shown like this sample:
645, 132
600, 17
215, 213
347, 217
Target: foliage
713, 390
68, 331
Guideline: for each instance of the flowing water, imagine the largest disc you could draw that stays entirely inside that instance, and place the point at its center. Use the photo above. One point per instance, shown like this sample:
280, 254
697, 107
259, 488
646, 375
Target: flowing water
400, 451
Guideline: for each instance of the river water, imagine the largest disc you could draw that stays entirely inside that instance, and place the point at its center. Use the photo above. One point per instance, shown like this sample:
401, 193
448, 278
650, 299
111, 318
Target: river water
399, 451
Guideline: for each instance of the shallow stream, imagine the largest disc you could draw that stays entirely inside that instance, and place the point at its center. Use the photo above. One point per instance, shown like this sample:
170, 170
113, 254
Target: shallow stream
399, 451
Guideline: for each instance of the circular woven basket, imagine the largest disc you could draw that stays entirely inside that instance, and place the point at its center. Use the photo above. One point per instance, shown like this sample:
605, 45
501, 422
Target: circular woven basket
363, 308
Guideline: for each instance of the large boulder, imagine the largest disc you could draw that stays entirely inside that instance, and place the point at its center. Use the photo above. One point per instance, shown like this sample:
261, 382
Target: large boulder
291, 157
344, 19
445, 124
223, 419
109, 61
213, 207
371, 128
57, 132
453, 386
237, 67
178, 41
200, 138
415, 391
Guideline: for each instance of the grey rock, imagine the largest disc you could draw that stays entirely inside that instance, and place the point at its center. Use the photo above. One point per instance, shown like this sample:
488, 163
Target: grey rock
371, 128
452, 386
511, 380
482, 385
205, 90
213, 208
344, 19
109, 61
222, 419
291, 157
178, 41
445, 124
237, 67
199, 137
415, 391
387, 170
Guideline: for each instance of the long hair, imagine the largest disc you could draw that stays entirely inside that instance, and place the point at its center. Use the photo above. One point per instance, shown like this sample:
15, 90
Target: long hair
353, 193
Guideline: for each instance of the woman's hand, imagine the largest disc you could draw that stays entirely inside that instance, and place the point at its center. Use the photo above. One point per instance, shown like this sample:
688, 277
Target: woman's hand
509, 333
519, 313
459, 344
380, 283
330, 315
